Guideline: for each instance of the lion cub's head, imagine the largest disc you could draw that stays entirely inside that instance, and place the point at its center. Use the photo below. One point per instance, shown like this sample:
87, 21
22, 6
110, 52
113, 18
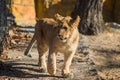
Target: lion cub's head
66, 26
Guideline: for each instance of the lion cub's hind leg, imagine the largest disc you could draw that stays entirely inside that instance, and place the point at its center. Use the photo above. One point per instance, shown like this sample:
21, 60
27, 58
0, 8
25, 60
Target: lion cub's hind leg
42, 51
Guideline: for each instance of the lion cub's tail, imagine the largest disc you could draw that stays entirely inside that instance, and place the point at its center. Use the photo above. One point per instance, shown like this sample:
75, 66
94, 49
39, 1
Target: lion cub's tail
30, 46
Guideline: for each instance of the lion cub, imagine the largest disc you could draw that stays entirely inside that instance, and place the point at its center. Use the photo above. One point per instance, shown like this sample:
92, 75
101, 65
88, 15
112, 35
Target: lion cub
53, 36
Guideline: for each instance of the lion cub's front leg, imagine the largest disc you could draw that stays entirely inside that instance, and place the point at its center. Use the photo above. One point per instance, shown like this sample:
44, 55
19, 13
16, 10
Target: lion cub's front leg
68, 56
51, 66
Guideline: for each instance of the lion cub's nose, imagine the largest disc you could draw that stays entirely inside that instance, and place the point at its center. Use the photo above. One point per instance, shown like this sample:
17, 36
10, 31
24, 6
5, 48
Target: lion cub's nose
61, 37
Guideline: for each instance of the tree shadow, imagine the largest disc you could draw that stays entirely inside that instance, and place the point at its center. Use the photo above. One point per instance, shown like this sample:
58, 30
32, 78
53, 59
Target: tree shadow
21, 70
109, 57
108, 51
26, 29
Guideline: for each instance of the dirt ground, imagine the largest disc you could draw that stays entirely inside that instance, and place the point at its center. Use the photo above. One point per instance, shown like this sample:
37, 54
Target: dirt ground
97, 58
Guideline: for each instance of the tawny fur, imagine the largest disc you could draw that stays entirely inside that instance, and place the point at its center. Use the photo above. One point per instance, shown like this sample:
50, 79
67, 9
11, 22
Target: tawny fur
55, 36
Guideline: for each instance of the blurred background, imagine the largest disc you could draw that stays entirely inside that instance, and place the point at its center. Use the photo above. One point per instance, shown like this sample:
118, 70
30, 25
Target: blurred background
26, 11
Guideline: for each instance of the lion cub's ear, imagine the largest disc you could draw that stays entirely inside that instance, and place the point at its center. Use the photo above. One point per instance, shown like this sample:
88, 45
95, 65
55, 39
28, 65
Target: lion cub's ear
58, 17
75, 23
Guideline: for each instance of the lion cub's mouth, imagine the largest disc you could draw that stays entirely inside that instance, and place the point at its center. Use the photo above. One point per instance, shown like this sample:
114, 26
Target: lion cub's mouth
64, 40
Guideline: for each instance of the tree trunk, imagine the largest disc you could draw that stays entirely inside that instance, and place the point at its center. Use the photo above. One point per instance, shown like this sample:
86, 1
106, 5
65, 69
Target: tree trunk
90, 12
3, 26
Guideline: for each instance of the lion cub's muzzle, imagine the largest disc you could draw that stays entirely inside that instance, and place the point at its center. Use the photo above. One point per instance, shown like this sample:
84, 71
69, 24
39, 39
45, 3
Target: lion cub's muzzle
62, 38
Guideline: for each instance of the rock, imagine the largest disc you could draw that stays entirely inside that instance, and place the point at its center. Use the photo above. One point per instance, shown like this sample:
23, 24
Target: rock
24, 12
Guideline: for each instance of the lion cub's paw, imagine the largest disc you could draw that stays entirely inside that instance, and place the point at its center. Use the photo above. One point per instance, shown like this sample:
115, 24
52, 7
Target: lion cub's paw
68, 75
51, 71
51, 68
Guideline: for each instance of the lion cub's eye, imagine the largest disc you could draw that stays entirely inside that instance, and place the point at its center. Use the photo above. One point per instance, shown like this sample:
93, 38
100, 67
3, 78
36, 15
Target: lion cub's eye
65, 28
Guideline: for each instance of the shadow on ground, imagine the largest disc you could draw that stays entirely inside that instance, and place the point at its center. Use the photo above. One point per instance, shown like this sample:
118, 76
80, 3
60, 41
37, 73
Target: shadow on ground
20, 70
